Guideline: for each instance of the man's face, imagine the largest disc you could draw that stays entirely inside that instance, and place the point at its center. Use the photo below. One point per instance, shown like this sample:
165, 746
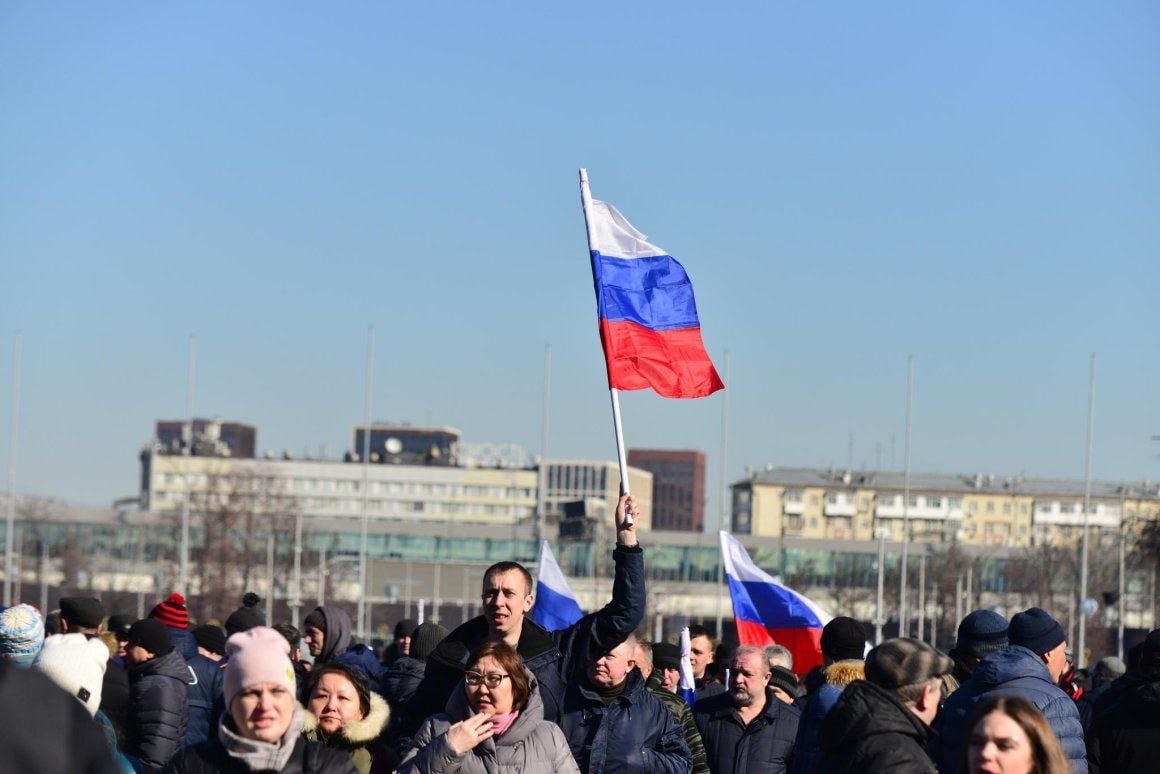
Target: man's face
701, 654
670, 679
611, 668
315, 639
405, 646
1056, 661
748, 677
135, 654
506, 600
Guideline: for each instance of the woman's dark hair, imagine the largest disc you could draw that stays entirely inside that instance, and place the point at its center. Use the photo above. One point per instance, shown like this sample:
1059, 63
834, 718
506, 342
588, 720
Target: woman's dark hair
511, 663
356, 679
1046, 755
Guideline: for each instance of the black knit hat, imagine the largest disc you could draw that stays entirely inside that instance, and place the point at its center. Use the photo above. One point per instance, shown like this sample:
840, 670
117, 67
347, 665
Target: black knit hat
980, 633
210, 637
782, 678
247, 616
666, 655
119, 625
424, 638
405, 628
1035, 630
152, 635
844, 639
85, 612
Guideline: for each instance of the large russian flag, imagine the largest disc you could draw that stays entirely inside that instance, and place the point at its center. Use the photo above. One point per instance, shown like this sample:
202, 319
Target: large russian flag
648, 317
767, 612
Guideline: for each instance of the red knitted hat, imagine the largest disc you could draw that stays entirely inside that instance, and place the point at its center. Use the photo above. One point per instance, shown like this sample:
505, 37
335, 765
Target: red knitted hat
172, 612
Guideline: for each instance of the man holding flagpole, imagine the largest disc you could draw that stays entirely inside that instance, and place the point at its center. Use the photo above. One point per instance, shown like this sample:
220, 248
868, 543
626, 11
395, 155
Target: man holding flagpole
554, 658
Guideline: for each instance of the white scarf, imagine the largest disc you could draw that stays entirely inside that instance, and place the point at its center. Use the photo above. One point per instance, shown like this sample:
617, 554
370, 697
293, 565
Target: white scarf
262, 756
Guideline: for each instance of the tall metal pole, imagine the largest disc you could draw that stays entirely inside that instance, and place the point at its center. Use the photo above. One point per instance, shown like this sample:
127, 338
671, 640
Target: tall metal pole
366, 461
1120, 604
13, 427
1080, 660
296, 601
903, 628
187, 451
921, 594
723, 510
270, 577
879, 608
542, 476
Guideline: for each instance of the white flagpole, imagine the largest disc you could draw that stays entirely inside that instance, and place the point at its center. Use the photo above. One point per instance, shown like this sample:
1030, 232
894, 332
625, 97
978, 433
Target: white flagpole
621, 458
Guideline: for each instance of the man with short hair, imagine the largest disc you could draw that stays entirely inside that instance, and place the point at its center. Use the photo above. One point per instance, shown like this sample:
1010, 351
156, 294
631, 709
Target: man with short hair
701, 651
555, 658
613, 724
779, 655
204, 679
1030, 667
660, 663
882, 723
327, 631
155, 726
84, 615
747, 728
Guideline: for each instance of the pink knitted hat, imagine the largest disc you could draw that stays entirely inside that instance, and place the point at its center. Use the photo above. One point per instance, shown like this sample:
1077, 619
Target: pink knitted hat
259, 655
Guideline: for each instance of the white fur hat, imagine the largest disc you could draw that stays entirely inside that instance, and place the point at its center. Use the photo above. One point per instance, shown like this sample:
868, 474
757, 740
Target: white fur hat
77, 664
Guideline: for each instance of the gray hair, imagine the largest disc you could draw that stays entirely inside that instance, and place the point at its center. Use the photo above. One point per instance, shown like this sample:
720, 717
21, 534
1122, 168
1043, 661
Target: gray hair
780, 654
644, 657
746, 651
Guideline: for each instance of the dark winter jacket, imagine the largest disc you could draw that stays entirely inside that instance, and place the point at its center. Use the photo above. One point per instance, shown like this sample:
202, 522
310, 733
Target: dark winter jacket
1013, 670
1125, 736
819, 701
44, 729
636, 732
359, 739
555, 658
203, 688
115, 696
308, 758
765, 745
684, 715
707, 689
871, 730
362, 659
400, 681
155, 726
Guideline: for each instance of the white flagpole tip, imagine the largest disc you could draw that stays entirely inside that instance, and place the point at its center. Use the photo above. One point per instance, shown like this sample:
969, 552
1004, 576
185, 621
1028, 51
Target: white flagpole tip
583, 175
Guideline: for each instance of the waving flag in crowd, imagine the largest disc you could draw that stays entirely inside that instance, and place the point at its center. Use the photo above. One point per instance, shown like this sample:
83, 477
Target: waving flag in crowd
556, 606
688, 684
767, 612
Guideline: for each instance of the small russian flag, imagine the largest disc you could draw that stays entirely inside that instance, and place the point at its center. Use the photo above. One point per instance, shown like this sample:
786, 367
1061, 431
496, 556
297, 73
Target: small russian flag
556, 606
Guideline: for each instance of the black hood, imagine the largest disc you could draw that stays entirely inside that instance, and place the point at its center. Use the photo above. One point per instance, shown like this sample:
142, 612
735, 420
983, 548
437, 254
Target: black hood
865, 710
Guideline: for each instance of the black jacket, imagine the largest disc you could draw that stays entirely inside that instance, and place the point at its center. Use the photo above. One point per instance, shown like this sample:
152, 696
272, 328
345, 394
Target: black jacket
115, 697
555, 658
203, 689
155, 725
636, 732
1125, 736
400, 681
765, 745
307, 758
869, 730
45, 730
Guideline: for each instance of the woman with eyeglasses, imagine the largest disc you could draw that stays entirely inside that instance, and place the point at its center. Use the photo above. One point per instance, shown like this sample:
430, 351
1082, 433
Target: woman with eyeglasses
494, 722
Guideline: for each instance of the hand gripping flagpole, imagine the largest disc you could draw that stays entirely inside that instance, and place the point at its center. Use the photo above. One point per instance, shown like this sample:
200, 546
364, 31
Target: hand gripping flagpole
621, 459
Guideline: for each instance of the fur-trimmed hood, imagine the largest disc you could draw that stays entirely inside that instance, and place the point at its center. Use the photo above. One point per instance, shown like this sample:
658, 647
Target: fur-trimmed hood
842, 673
358, 733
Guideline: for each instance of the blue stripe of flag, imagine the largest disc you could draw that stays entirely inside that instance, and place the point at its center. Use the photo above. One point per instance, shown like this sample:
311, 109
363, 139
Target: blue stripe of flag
654, 292
771, 605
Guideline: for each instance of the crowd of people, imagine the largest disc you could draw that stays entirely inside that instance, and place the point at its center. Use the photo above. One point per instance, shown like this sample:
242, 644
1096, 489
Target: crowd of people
86, 691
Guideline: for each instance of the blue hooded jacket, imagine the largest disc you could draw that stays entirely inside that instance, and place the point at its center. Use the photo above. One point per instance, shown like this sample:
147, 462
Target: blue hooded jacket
203, 688
1014, 670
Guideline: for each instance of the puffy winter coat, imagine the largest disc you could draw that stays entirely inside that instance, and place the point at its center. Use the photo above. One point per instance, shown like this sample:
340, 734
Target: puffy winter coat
308, 758
203, 691
1125, 736
155, 725
400, 680
115, 696
819, 701
635, 732
1013, 670
871, 730
555, 658
531, 746
359, 739
765, 745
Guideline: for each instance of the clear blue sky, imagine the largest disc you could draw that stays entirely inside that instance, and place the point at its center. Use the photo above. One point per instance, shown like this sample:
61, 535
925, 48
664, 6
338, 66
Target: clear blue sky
975, 185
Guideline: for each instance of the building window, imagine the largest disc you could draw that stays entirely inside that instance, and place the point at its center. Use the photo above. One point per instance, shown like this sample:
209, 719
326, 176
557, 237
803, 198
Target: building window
990, 507
793, 495
934, 502
955, 503
1006, 509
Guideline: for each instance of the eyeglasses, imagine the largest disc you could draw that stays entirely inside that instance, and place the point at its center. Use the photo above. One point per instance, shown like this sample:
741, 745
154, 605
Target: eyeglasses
491, 679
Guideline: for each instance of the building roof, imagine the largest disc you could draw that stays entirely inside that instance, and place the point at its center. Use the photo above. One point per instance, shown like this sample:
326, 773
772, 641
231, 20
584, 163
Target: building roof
965, 483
